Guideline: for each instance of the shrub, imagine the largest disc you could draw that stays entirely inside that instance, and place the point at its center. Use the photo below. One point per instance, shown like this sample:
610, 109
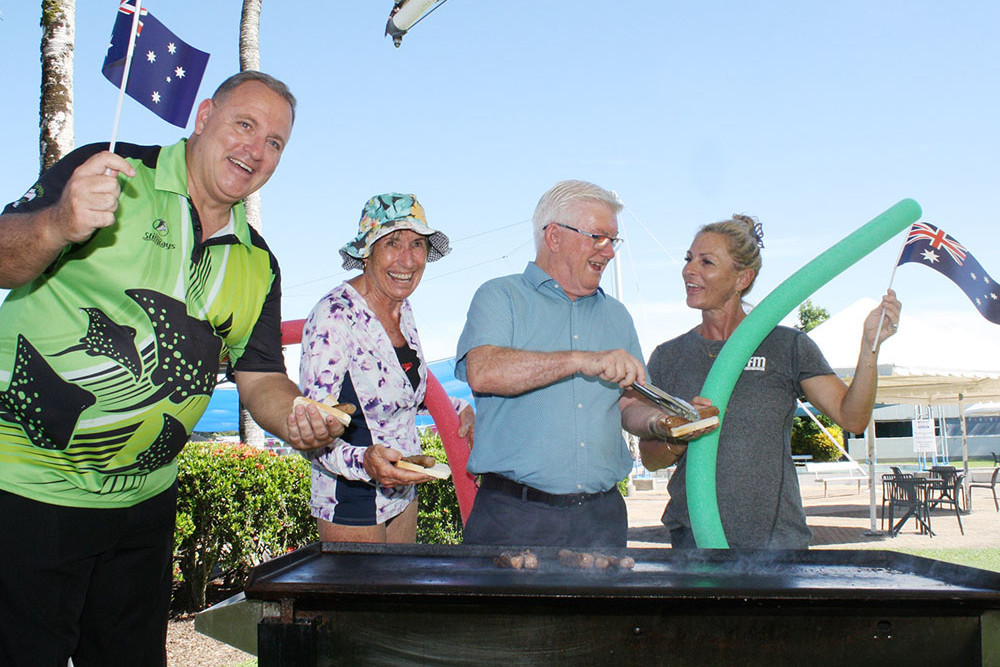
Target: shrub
807, 438
439, 520
237, 506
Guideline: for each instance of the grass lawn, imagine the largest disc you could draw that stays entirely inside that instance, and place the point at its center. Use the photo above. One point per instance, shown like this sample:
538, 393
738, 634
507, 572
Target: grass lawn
984, 559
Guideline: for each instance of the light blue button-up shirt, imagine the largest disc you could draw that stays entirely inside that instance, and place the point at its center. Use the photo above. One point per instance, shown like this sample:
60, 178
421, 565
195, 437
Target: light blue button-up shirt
565, 437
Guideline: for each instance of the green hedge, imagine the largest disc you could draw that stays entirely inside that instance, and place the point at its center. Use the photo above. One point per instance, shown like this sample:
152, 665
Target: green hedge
239, 506
439, 520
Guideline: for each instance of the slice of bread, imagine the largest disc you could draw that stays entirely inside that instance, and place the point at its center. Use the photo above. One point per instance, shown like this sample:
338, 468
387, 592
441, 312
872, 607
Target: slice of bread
688, 427
337, 414
438, 470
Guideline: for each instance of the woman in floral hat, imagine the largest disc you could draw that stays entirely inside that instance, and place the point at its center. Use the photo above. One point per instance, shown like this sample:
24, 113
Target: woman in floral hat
360, 346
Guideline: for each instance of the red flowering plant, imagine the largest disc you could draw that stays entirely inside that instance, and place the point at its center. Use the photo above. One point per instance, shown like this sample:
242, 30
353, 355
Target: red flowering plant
237, 506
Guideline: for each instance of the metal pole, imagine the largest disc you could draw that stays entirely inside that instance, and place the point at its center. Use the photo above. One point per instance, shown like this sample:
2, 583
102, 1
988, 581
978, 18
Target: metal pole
872, 457
965, 447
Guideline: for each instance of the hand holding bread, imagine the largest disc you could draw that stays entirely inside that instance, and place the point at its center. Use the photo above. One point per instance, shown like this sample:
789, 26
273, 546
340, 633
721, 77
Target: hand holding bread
675, 426
340, 411
425, 464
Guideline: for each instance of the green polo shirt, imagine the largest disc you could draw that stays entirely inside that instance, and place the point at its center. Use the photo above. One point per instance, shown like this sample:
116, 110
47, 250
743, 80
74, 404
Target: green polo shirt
108, 359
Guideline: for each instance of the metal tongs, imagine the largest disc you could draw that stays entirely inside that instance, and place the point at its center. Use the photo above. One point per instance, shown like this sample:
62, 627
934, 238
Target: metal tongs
678, 406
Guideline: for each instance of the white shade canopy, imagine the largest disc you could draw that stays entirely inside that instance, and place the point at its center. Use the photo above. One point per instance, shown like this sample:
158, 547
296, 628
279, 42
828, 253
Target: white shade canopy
935, 358
929, 389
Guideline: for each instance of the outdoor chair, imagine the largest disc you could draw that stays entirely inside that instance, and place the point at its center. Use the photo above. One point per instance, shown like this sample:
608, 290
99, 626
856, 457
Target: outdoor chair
909, 494
991, 485
887, 492
948, 489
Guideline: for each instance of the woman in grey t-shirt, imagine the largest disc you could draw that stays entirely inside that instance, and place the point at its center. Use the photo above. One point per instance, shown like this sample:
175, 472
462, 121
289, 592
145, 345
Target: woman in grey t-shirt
758, 492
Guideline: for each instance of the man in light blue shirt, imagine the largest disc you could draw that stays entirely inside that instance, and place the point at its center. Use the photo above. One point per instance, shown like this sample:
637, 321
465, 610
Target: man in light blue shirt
549, 357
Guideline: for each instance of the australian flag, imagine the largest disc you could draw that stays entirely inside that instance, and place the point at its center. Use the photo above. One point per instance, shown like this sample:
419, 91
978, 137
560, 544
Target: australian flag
928, 245
165, 72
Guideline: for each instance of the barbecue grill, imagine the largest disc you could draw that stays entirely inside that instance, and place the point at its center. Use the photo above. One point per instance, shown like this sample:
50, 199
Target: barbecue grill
350, 604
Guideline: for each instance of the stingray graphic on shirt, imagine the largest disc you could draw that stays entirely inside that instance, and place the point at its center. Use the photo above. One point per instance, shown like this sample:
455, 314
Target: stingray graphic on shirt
181, 362
107, 338
188, 359
187, 350
168, 444
40, 401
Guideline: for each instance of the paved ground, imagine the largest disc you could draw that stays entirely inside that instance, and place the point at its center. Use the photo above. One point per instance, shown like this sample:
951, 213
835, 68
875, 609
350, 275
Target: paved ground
841, 521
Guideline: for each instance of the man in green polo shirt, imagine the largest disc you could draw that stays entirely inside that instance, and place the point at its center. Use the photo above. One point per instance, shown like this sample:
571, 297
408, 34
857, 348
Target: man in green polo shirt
131, 276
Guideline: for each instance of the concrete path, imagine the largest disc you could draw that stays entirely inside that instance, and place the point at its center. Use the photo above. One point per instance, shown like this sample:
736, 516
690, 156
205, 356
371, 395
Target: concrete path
840, 521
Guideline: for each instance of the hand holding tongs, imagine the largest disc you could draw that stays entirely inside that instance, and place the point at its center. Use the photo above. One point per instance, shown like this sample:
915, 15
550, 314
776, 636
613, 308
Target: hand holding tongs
677, 406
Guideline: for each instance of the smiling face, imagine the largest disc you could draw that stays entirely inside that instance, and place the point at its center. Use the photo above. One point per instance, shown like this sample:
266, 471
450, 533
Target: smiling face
711, 279
236, 145
572, 259
395, 266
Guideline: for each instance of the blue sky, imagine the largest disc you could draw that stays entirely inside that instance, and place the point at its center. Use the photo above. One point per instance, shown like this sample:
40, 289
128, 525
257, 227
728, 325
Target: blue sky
813, 117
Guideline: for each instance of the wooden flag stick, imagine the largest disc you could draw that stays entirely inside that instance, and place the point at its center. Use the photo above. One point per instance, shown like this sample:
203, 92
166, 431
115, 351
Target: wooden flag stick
128, 65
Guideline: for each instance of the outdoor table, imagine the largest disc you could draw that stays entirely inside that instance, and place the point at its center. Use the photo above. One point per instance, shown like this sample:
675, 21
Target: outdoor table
948, 487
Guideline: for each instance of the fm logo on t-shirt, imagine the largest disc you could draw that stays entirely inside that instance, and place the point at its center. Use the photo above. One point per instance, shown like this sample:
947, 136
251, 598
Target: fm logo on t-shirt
756, 364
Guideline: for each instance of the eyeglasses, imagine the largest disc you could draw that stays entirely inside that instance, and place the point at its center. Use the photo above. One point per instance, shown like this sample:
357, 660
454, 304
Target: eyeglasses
600, 241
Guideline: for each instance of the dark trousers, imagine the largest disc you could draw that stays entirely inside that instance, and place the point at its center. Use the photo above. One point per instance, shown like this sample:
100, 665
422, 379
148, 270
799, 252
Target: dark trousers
91, 584
501, 519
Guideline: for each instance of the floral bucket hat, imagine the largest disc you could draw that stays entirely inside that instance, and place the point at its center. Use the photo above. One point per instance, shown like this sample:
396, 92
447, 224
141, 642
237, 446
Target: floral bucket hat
388, 213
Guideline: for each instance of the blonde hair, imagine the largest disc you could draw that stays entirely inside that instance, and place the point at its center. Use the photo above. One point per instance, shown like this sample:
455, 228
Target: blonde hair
744, 237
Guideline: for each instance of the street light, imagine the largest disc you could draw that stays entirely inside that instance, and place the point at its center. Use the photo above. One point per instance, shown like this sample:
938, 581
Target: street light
404, 14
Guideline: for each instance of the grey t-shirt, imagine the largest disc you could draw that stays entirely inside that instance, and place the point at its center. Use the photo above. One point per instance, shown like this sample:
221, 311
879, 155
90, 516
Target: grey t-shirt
758, 490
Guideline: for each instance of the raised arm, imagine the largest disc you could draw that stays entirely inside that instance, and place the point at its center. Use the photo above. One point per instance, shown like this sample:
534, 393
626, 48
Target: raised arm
505, 371
29, 242
851, 406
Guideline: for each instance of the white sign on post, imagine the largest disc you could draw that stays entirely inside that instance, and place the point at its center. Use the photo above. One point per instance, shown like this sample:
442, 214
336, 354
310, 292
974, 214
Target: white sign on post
923, 436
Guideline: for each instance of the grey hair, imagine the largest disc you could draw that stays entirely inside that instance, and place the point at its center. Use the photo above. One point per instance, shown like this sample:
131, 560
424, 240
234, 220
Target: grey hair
238, 79
744, 238
556, 203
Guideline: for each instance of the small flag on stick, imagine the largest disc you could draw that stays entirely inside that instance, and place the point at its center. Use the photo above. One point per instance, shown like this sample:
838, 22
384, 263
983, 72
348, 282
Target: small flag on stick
930, 246
165, 71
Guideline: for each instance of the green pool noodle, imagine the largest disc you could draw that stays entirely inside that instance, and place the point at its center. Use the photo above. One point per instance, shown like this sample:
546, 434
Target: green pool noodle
702, 455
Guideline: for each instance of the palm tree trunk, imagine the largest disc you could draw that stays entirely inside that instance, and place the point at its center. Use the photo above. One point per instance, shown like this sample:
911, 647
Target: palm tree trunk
55, 113
250, 35
250, 432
